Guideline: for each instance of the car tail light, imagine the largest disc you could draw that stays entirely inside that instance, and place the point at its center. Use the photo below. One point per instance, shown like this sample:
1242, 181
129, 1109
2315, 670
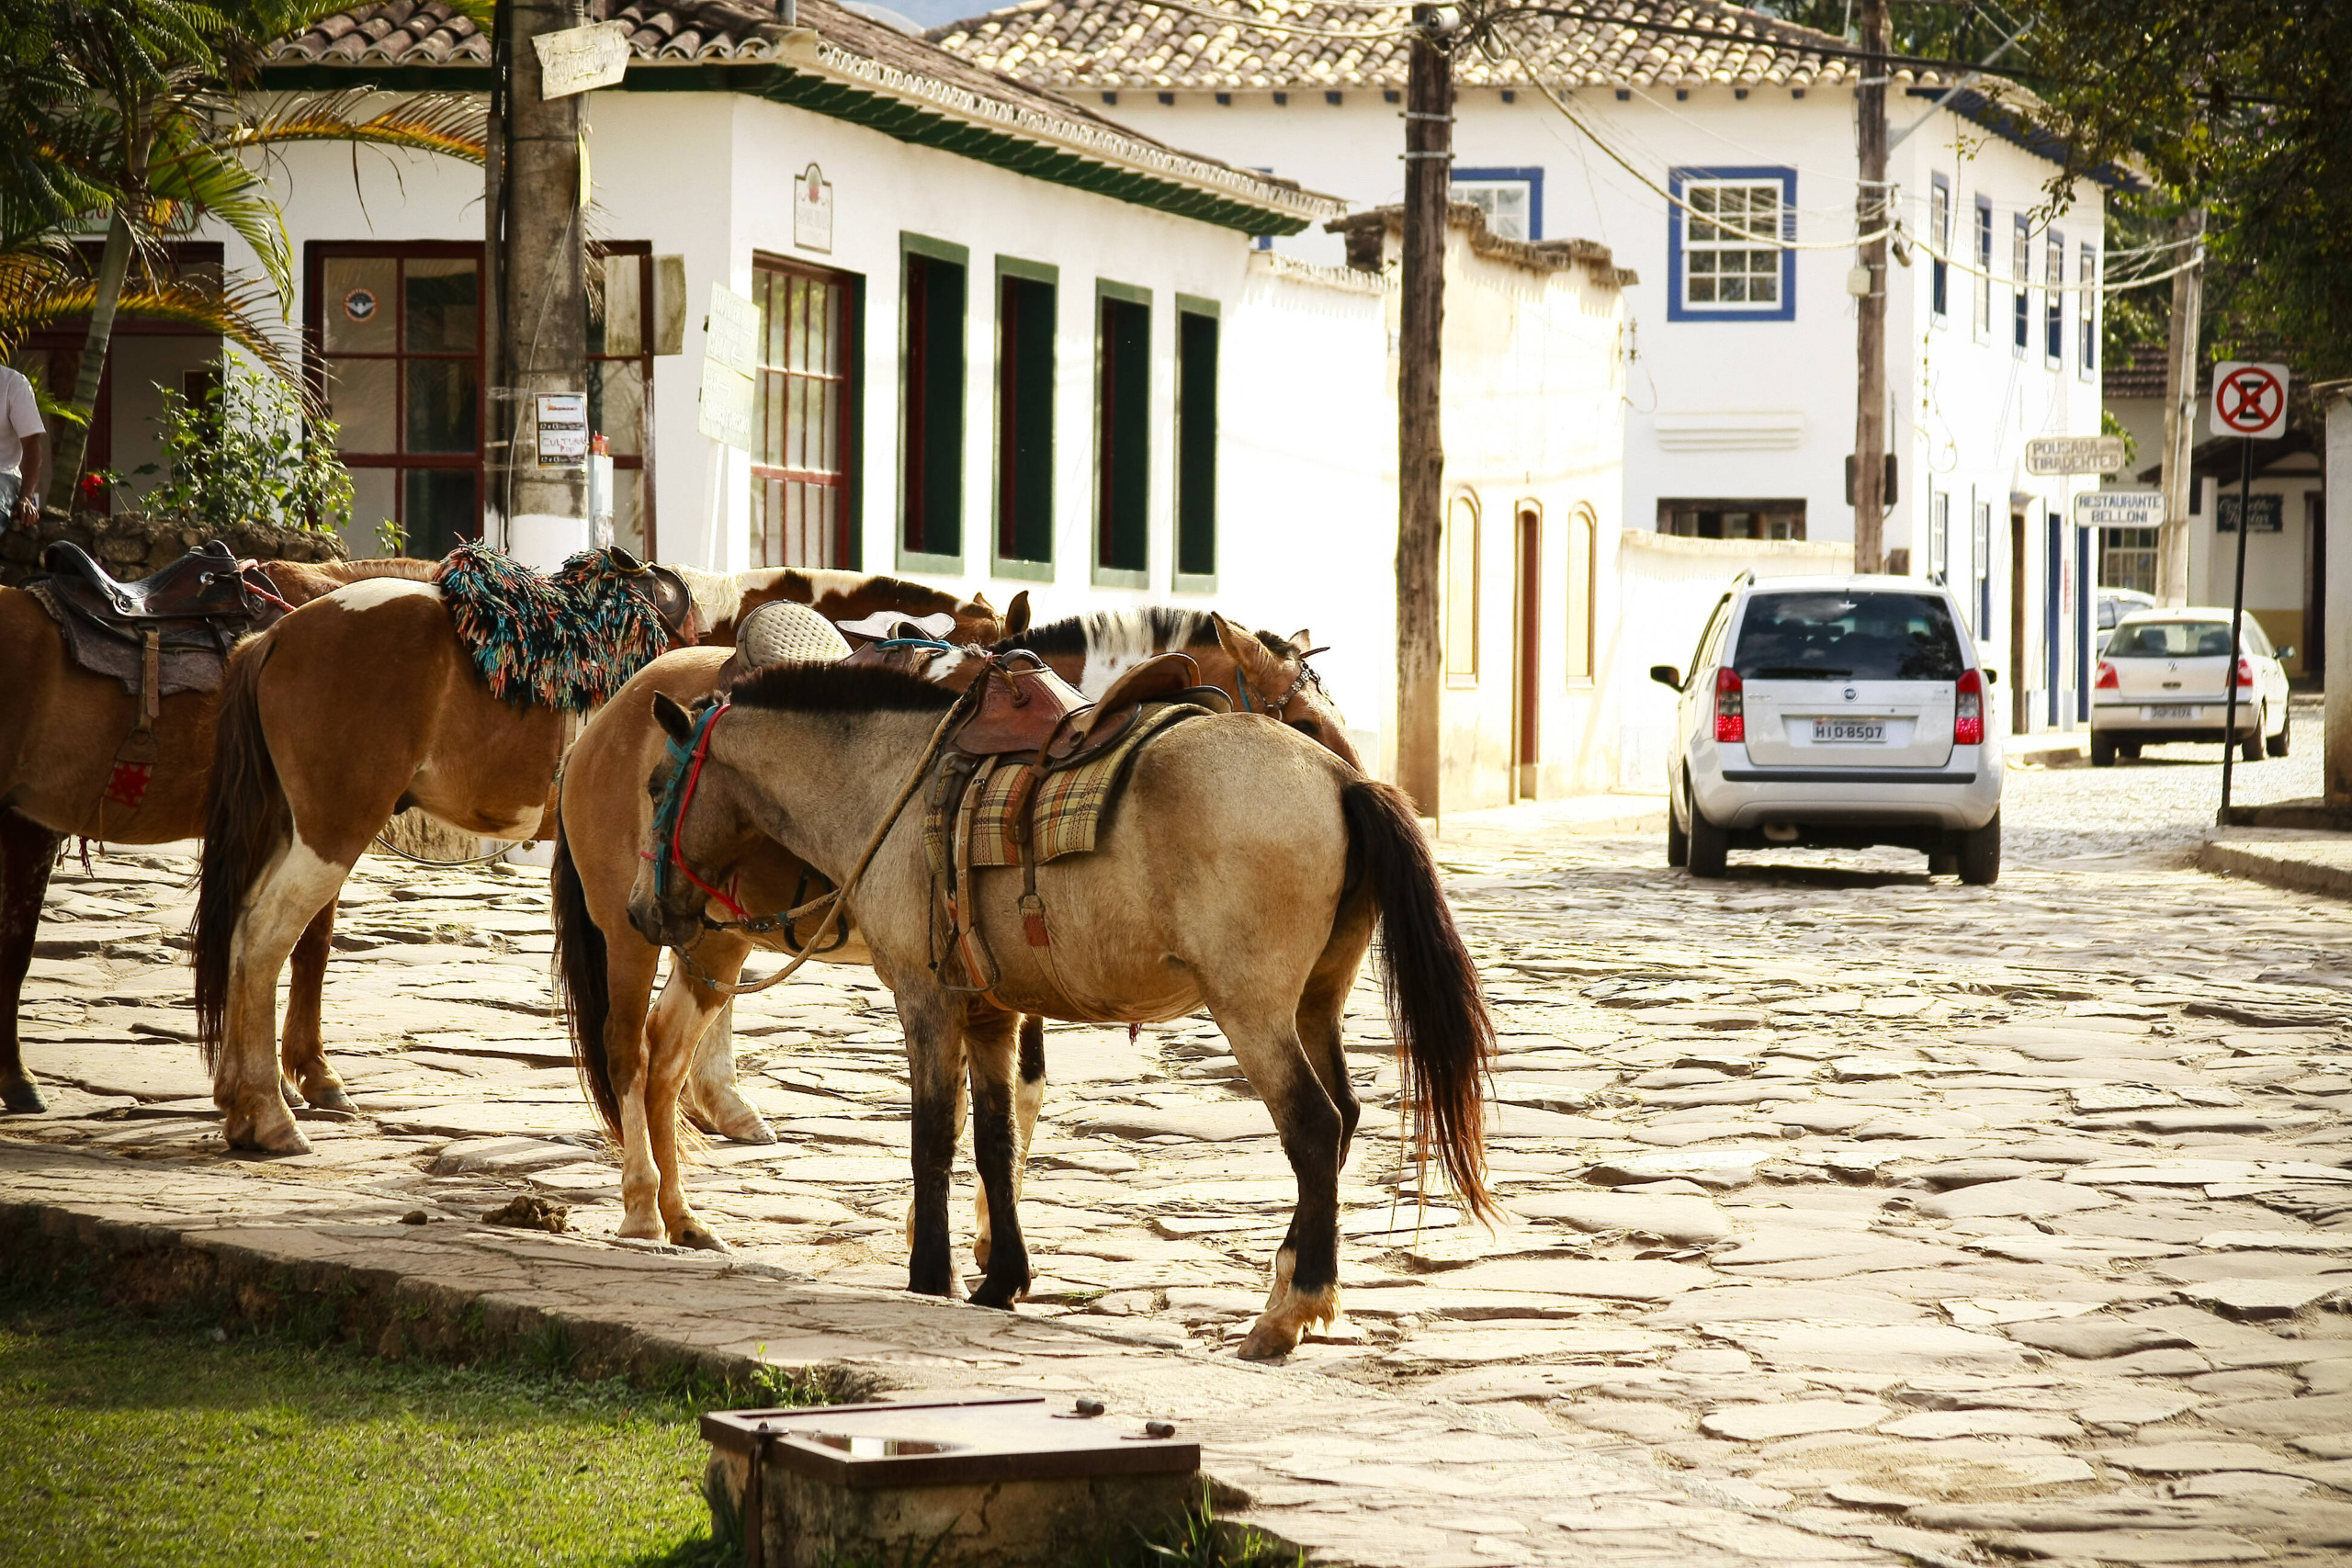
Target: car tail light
2245, 672
1731, 707
1968, 710
2108, 679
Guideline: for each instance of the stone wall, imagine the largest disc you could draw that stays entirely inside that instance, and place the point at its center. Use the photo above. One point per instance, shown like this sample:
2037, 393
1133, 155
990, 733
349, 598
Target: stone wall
131, 546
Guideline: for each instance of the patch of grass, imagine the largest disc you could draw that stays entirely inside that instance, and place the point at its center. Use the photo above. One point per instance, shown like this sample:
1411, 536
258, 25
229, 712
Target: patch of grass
128, 1442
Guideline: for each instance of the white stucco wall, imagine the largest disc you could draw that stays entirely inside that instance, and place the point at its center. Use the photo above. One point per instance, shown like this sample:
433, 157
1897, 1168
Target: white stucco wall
1761, 409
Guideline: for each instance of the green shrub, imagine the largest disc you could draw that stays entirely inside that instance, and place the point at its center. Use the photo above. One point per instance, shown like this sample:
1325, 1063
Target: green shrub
241, 452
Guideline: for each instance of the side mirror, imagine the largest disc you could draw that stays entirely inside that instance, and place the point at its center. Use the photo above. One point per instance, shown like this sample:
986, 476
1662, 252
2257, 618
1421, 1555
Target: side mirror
1991, 676
1667, 675
2287, 651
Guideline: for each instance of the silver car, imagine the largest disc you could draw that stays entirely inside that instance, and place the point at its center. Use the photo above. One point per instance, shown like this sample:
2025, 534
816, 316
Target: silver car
2161, 678
1835, 711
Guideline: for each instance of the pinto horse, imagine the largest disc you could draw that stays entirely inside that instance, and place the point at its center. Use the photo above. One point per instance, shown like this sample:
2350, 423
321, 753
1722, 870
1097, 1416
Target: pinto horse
1261, 916
607, 970
363, 704
60, 727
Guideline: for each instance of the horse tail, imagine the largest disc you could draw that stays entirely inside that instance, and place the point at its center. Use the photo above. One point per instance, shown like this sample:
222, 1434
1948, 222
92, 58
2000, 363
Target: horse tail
579, 971
1443, 1035
247, 822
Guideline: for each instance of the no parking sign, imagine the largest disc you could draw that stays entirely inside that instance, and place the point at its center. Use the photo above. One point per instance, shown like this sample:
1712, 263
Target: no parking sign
2250, 400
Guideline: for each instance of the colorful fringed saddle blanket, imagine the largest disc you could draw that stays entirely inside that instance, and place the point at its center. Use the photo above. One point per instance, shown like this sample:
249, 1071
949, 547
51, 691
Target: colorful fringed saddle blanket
568, 639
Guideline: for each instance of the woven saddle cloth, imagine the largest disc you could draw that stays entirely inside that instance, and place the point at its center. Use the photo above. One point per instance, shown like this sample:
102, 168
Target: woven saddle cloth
1072, 803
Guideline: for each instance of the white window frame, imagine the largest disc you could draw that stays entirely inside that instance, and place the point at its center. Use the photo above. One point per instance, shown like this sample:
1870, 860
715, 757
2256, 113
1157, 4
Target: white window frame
1480, 192
1940, 537
1698, 189
2086, 351
1940, 225
2020, 285
1981, 247
2054, 307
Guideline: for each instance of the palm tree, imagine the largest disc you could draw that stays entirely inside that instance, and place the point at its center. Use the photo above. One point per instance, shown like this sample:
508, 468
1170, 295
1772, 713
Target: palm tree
128, 111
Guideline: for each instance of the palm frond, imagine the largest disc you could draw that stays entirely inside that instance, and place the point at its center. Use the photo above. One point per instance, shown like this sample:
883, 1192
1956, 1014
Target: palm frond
212, 176
442, 123
39, 289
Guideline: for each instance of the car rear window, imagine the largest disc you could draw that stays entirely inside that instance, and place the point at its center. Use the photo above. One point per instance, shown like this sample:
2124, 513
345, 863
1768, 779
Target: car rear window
2171, 640
1868, 635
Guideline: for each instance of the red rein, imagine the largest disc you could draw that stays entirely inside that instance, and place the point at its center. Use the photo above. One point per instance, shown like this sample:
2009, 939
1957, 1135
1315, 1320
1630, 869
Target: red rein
678, 824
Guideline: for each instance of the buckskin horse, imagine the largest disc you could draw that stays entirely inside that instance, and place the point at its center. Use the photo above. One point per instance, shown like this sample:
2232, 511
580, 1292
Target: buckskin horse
60, 729
1262, 914
357, 706
607, 969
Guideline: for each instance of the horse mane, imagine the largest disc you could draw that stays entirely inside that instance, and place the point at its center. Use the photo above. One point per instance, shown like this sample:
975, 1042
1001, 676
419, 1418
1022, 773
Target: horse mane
301, 581
835, 688
1153, 626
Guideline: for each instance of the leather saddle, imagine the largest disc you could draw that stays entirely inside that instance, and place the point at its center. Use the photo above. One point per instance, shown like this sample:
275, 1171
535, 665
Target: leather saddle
204, 589
1024, 707
663, 589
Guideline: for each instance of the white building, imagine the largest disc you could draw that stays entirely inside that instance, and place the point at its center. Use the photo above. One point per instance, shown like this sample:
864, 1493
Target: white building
1740, 391
1004, 345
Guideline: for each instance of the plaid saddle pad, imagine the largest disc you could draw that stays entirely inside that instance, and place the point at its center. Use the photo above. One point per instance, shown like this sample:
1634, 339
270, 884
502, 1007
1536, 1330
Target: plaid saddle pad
1071, 805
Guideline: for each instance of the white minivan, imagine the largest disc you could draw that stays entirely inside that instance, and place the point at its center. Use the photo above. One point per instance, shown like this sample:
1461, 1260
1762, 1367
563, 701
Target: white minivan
1835, 711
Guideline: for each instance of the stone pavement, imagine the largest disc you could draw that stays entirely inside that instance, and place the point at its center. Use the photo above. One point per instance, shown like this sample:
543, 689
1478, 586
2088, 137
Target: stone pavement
2310, 862
1858, 1216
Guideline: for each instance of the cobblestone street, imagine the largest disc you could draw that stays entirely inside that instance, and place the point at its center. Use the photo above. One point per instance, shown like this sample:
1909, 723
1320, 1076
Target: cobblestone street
1863, 1205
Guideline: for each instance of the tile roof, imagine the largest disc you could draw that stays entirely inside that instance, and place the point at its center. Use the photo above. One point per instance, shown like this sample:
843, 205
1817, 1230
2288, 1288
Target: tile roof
1641, 43
2140, 373
836, 62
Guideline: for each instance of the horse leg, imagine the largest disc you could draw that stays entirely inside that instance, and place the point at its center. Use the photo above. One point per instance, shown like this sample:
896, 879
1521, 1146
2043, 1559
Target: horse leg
629, 968
26, 853
297, 885
1028, 1096
712, 1100
302, 1054
674, 1037
934, 1072
1307, 1267
996, 1140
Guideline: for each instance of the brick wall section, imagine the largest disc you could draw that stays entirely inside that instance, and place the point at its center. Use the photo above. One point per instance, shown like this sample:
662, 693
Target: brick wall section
131, 545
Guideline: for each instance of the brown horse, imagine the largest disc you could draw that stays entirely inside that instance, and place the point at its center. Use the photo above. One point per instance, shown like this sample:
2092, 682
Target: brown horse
1263, 916
356, 706
59, 728
607, 970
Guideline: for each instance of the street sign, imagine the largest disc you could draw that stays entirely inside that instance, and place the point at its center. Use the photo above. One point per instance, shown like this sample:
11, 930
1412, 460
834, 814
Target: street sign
2074, 455
578, 59
2119, 509
729, 363
2250, 401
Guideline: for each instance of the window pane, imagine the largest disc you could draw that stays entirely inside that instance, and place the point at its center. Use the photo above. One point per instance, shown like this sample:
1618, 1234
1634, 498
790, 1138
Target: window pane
1461, 590
444, 400
439, 509
362, 397
796, 422
442, 304
617, 405
358, 304
618, 326
1196, 446
374, 502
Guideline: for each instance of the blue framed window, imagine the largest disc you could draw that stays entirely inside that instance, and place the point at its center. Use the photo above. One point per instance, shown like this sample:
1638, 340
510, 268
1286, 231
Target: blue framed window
1723, 261
2020, 276
2053, 299
1938, 270
1982, 250
2088, 276
1512, 200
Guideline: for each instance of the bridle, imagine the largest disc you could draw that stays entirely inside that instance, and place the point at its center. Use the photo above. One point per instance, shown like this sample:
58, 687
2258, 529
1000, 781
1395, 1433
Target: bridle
670, 815
1276, 708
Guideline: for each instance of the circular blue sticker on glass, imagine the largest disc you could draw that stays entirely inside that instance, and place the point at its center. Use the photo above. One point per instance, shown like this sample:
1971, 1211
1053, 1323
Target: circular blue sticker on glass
360, 305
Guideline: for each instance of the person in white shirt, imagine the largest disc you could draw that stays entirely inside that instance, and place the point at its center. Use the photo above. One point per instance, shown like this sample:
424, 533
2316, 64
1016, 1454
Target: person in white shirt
23, 451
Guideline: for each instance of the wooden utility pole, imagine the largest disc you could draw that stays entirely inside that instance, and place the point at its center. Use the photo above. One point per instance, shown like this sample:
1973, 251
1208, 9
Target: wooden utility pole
2180, 409
1871, 209
1420, 446
543, 313
500, 412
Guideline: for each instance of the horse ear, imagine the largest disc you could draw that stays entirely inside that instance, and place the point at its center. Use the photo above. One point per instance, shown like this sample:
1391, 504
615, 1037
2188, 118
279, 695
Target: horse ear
671, 718
1301, 641
1256, 661
983, 600
1016, 614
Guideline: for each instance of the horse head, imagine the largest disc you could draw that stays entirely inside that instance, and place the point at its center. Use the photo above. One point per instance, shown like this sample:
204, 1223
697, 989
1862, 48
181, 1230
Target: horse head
701, 831
1275, 678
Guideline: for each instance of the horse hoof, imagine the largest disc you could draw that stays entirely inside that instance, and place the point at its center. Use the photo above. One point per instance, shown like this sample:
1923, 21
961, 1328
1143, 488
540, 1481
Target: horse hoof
696, 1236
289, 1091
333, 1099
279, 1139
738, 1123
1268, 1344
23, 1099
999, 1293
